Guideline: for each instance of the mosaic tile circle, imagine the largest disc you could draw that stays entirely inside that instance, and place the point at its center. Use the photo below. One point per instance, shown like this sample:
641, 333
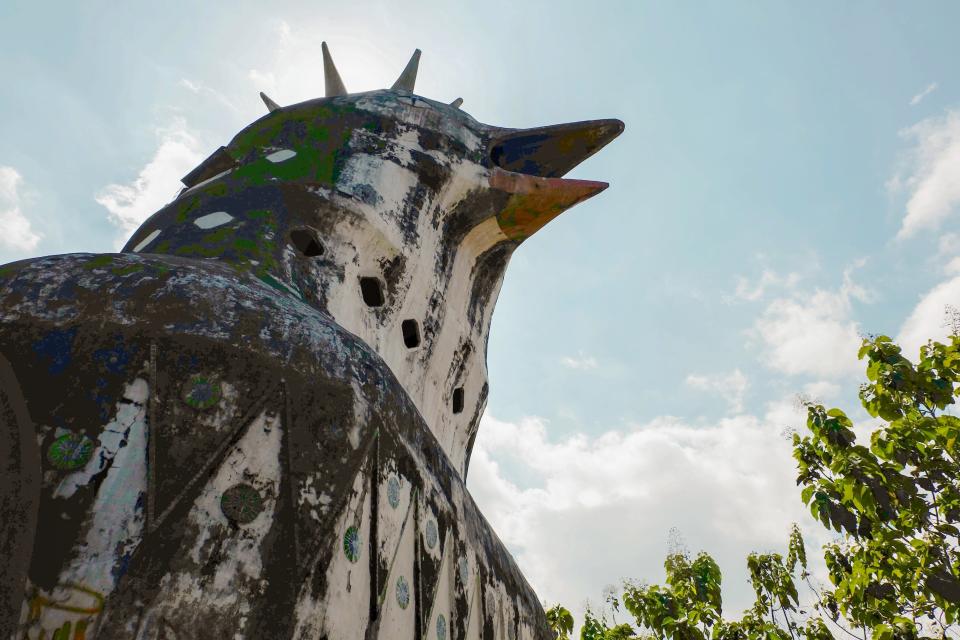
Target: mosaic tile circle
441, 627
464, 568
393, 492
403, 592
201, 392
432, 534
70, 451
241, 503
351, 544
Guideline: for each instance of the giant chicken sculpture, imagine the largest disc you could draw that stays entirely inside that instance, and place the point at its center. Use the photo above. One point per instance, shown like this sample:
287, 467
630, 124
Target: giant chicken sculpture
256, 421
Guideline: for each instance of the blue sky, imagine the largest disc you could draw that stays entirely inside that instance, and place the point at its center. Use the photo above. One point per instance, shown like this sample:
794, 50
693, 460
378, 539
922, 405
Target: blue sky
789, 178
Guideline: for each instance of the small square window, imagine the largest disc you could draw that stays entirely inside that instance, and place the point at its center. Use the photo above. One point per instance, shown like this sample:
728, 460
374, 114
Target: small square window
372, 291
458, 400
411, 333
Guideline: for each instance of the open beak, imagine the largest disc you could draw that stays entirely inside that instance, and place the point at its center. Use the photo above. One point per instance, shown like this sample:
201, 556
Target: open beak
529, 163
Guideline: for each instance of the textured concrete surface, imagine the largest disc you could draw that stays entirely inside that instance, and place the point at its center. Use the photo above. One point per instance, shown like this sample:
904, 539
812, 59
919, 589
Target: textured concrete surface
256, 420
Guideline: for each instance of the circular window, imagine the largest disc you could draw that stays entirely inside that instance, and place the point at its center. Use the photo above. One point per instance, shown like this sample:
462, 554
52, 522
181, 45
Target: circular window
241, 503
201, 392
70, 451
393, 492
403, 592
432, 533
351, 544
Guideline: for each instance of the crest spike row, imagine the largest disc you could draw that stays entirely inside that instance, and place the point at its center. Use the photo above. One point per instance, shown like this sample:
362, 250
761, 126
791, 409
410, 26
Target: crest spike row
408, 78
456, 103
332, 83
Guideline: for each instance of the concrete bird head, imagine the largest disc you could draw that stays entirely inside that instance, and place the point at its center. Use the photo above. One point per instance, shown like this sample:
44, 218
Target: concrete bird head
394, 213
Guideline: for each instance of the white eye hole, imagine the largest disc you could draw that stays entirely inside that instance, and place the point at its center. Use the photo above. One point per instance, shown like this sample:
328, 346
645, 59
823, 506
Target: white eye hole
280, 156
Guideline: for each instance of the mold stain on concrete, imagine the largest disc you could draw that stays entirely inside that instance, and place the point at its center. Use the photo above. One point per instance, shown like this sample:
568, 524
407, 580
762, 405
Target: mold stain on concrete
238, 437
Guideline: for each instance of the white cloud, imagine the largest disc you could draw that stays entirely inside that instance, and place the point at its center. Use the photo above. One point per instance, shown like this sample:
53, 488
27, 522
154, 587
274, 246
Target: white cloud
931, 318
731, 386
295, 71
202, 89
753, 291
930, 88
931, 173
812, 333
600, 508
581, 362
821, 390
156, 184
16, 231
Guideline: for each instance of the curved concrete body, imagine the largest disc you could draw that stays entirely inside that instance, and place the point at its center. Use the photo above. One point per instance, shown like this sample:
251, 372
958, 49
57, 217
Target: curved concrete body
256, 421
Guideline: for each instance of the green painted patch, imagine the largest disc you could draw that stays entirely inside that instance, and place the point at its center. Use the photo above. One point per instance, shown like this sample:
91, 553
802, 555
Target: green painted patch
311, 133
183, 213
122, 271
98, 261
245, 244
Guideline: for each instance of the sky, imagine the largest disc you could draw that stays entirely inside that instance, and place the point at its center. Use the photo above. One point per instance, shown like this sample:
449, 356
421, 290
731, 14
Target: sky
788, 181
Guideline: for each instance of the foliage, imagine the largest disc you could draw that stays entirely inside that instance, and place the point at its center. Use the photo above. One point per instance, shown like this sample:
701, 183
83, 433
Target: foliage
689, 606
596, 629
686, 607
560, 621
898, 500
895, 572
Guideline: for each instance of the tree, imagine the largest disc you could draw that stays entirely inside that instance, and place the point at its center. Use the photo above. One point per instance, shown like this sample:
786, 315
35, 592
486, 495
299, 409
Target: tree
898, 500
895, 574
560, 621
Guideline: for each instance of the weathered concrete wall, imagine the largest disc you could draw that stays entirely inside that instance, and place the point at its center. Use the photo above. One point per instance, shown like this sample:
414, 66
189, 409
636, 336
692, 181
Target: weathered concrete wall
401, 191
354, 520
256, 421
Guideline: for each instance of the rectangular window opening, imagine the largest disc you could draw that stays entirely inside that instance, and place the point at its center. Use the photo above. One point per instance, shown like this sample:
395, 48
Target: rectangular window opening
411, 333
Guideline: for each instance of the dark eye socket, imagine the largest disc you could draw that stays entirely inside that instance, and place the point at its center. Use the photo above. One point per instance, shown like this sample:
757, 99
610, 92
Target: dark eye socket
372, 291
306, 242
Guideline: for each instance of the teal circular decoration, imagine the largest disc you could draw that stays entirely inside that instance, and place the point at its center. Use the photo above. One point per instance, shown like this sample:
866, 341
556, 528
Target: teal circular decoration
464, 567
351, 544
241, 503
432, 534
70, 452
441, 627
393, 492
403, 592
201, 392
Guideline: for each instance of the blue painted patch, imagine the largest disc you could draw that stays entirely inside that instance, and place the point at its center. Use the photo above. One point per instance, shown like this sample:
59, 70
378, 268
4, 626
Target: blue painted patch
123, 560
56, 347
115, 358
104, 403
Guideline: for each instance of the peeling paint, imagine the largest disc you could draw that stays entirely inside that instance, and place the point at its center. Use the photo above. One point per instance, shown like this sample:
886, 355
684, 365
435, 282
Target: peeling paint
243, 445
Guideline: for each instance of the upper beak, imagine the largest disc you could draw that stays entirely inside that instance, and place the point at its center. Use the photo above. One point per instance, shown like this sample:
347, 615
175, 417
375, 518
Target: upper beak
550, 152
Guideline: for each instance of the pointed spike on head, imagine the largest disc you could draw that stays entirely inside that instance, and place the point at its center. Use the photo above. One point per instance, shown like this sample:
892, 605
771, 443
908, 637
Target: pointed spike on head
271, 105
535, 201
408, 79
456, 103
333, 85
